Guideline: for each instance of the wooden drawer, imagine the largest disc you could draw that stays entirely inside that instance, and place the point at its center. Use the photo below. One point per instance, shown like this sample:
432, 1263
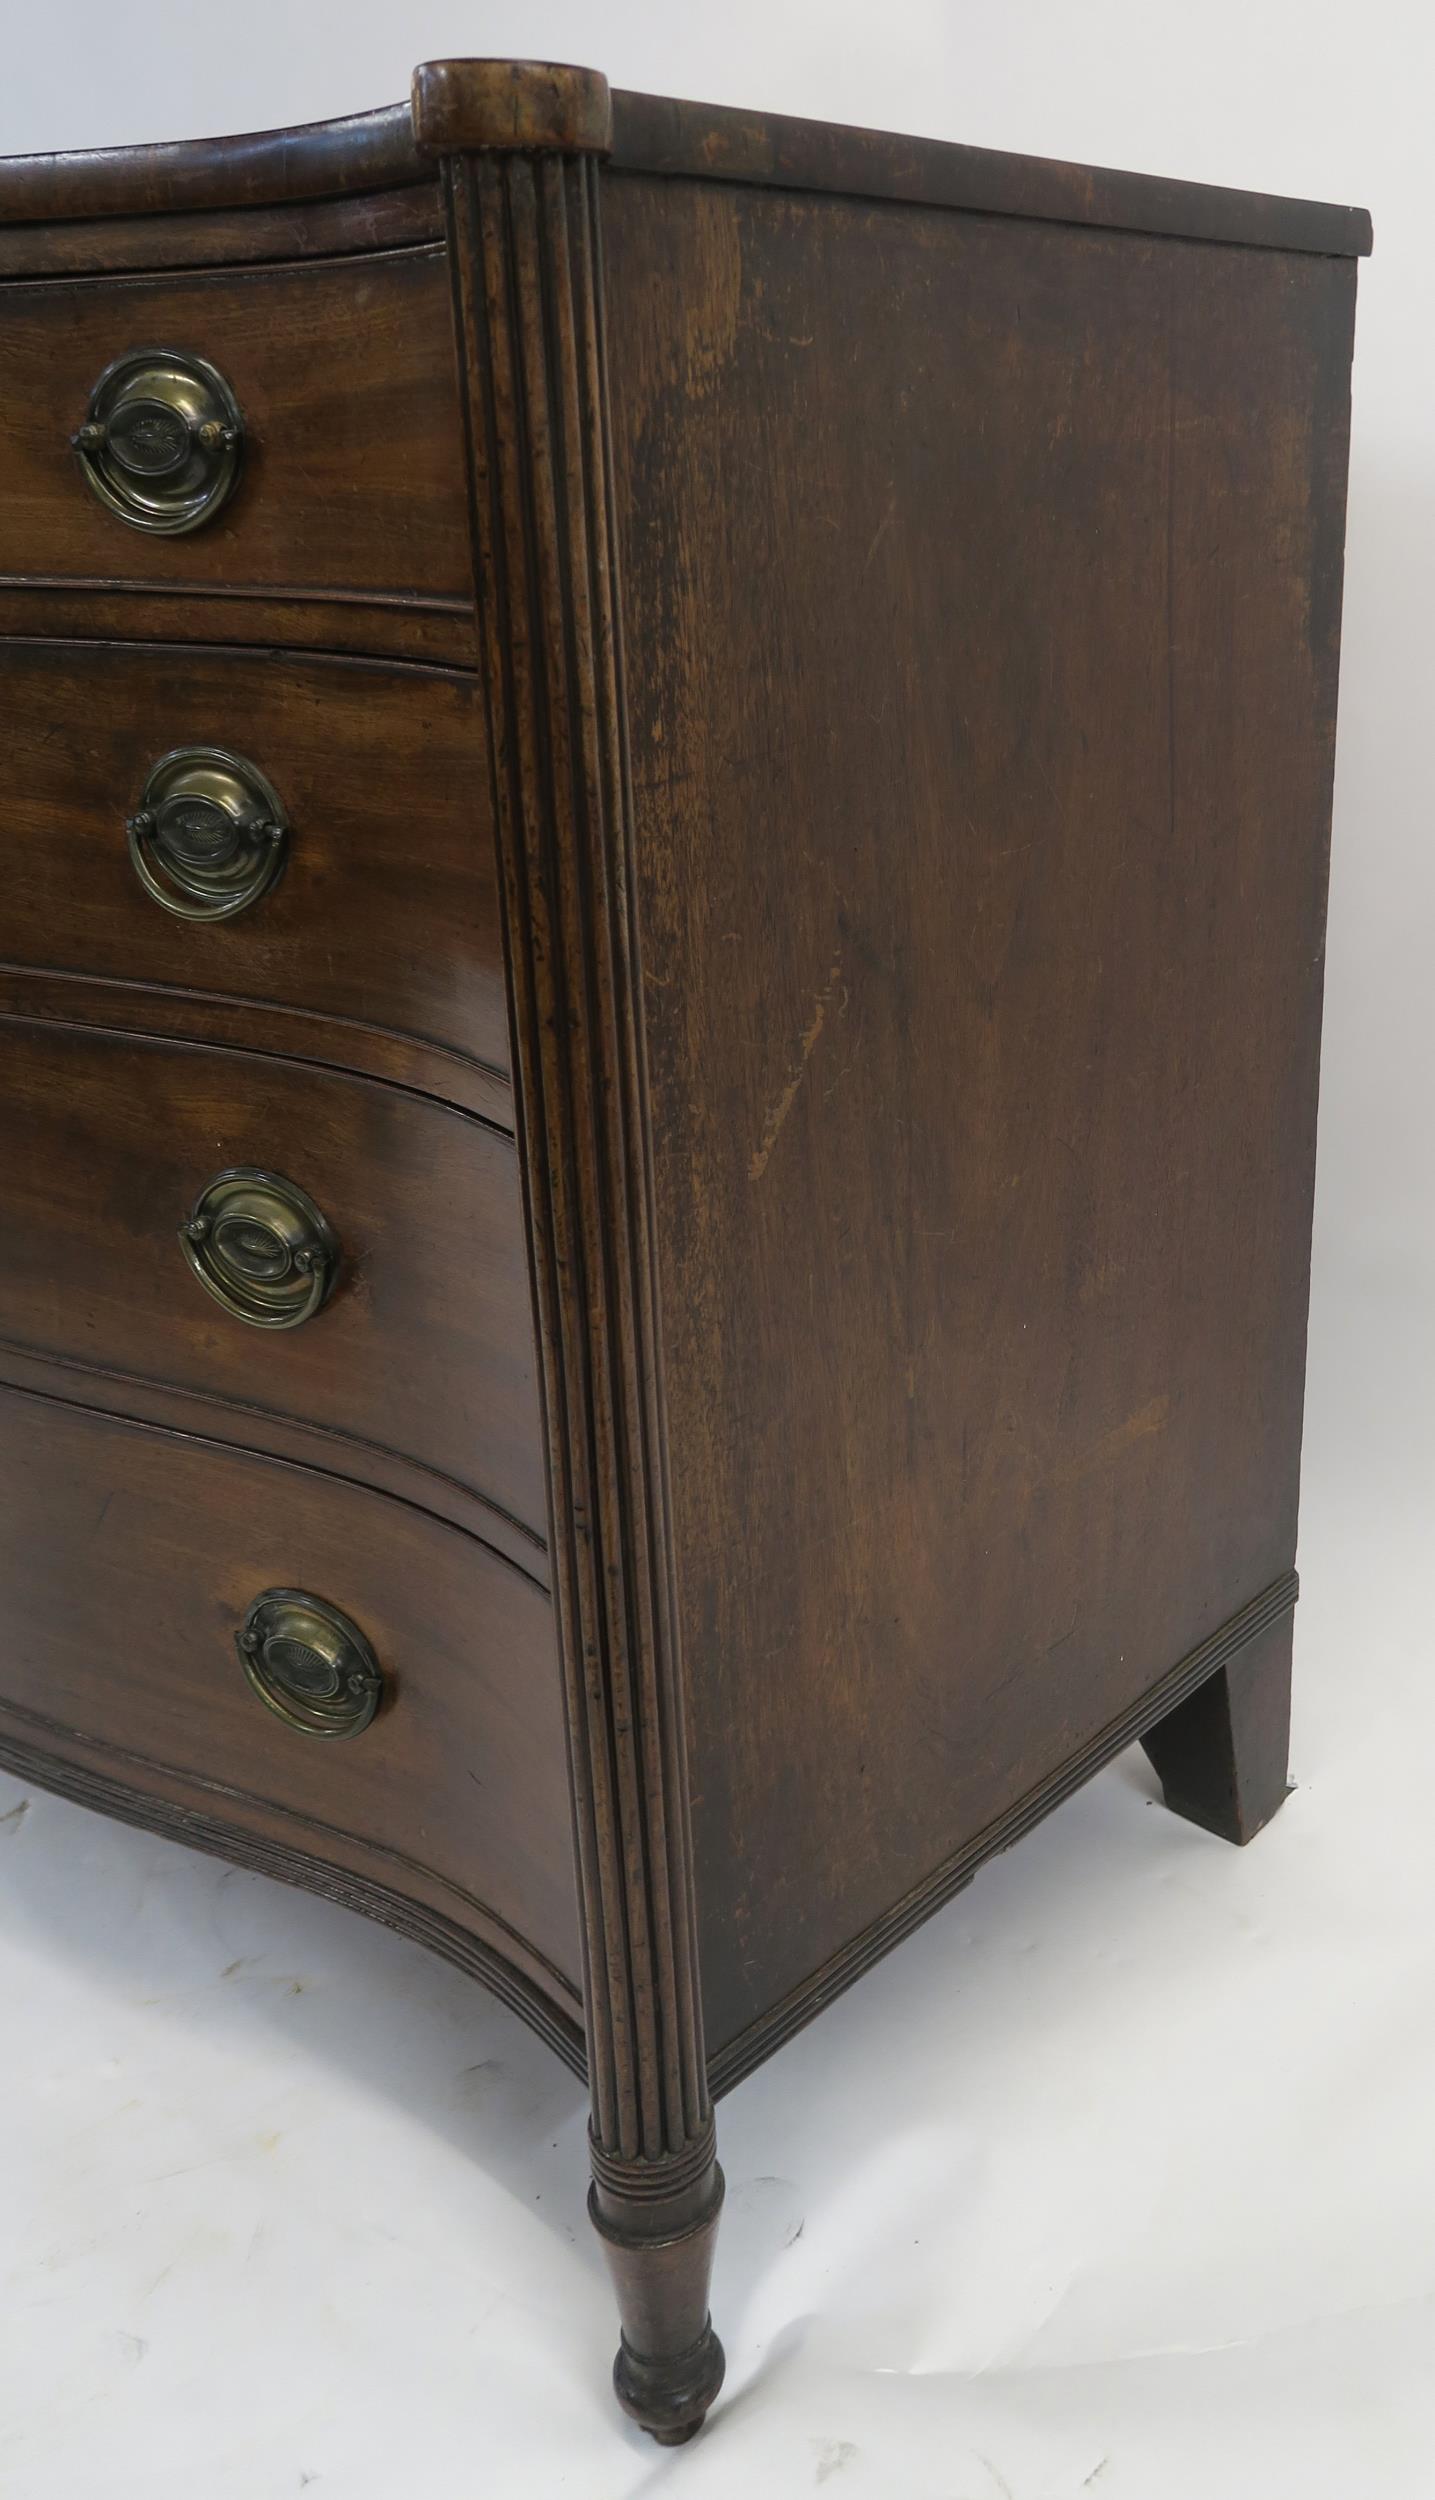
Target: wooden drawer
379, 945
351, 475
128, 1561
425, 1346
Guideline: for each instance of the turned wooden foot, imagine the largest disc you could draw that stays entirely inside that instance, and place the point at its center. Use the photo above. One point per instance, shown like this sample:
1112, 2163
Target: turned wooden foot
658, 2240
1221, 1756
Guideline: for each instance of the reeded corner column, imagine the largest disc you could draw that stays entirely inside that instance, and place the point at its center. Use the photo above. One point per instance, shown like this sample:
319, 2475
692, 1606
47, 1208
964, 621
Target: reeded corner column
520, 146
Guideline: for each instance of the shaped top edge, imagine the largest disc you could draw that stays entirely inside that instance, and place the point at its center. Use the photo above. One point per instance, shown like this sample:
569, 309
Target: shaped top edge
459, 106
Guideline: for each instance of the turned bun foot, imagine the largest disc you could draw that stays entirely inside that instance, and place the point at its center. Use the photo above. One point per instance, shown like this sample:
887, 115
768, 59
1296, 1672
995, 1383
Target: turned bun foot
657, 2222
669, 2395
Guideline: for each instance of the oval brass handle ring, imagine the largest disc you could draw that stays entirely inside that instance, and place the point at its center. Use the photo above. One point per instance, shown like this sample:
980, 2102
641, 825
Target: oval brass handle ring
260, 1246
309, 1663
162, 441
210, 835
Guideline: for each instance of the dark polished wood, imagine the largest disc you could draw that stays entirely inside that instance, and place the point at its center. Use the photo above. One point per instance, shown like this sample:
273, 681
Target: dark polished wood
1221, 1755
985, 1078
378, 152
705, 143
128, 1558
1203, 1665
392, 625
217, 1418
386, 914
107, 1781
424, 1349
525, 241
343, 370
802, 666
319, 160
95, 245
511, 107
289, 1032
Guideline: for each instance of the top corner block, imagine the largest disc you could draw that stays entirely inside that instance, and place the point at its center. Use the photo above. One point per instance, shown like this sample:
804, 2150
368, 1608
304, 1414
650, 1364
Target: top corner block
463, 106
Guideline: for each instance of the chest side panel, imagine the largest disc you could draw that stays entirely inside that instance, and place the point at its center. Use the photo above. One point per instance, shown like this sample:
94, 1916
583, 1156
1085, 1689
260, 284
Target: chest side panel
982, 595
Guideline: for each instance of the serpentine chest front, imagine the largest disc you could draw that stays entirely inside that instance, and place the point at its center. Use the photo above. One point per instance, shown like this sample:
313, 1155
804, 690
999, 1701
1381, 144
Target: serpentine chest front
668, 781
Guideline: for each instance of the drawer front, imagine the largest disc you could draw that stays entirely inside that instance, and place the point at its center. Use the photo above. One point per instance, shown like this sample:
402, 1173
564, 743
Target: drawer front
129, 1561
384, 911
350, 473
425, 1345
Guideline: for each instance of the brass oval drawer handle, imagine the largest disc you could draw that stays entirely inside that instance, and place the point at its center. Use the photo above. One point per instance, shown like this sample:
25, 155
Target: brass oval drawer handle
209, 836
259, 1244
309, 1663
162, 440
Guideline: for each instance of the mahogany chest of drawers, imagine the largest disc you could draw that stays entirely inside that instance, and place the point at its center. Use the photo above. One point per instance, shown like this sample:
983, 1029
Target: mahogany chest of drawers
660, 966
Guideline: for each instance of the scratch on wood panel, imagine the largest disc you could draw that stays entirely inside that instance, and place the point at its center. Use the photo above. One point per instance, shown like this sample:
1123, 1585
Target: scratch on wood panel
888, 517
1101, 1277
1138, 1427
714, 314
772, 1126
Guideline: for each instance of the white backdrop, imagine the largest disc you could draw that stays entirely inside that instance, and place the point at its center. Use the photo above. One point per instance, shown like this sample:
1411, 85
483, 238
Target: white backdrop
1144, 2203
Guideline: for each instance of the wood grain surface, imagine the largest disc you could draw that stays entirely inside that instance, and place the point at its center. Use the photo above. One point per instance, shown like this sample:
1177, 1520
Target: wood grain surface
386, 915
426, 1345
128, 1559
208, 1415
399, 625
94, 244
343, 370
526, 241
331, 162
829, 641
982, 730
